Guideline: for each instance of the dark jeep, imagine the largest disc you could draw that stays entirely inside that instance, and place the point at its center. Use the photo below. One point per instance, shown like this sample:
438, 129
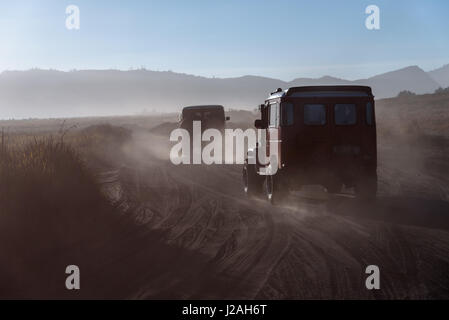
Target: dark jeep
211, 116
323, 134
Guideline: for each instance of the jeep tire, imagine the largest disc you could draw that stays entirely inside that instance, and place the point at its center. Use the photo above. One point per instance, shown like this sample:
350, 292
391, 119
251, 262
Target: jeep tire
252, 182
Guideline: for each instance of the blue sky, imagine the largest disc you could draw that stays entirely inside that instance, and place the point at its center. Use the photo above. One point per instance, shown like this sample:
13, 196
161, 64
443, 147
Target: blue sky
225, 38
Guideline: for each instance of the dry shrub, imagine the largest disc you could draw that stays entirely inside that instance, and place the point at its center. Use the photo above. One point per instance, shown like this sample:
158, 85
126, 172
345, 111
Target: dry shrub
51, 211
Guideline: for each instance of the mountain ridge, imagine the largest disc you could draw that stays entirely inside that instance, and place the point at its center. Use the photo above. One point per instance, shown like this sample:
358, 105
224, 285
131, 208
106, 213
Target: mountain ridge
53, 93
441, 75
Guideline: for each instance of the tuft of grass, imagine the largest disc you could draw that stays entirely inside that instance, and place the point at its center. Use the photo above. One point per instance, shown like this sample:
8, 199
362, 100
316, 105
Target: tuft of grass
51, 210
47, 194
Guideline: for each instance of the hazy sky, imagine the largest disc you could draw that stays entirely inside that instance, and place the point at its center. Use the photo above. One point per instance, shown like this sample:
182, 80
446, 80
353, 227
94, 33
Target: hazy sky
225, 38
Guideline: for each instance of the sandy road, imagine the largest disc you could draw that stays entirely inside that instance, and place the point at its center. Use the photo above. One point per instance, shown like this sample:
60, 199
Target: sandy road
315, 246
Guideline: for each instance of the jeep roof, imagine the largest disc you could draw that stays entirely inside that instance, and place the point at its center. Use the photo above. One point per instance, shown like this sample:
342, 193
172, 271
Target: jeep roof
323, 91
216, 110
203, 107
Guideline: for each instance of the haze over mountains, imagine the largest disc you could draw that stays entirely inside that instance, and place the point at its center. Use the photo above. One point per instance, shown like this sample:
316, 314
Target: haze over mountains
48, 93
441, 76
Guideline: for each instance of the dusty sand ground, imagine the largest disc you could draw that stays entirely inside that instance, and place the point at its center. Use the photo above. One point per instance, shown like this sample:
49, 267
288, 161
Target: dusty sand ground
200, 237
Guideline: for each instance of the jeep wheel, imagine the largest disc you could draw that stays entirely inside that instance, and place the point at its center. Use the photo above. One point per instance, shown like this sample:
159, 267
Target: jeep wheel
273, 190
252, 182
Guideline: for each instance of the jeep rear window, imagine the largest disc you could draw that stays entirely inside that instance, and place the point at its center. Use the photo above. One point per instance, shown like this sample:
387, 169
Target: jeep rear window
274, 115
314, 114
287, 114
369, 113
345, 114
203, 114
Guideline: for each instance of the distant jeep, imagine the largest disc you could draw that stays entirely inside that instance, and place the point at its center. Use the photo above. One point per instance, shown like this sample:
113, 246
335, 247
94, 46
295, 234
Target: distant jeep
211, 116
324, 135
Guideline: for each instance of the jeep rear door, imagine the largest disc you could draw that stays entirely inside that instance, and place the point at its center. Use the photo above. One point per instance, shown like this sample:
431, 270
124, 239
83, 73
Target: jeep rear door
314, 134
273, 132
347, 128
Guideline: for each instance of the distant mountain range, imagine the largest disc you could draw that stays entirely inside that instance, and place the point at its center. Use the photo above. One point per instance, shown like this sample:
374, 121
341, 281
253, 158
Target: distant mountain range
48, 93
441, 76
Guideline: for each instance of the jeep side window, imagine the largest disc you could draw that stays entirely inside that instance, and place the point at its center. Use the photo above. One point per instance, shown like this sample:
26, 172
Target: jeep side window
315, 114
345, 114
287, 114
274, 118
369, 114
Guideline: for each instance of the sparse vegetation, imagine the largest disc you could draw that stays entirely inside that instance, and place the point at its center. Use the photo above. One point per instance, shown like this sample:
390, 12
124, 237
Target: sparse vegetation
413, 117
50, 202
406, 93
441, 90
